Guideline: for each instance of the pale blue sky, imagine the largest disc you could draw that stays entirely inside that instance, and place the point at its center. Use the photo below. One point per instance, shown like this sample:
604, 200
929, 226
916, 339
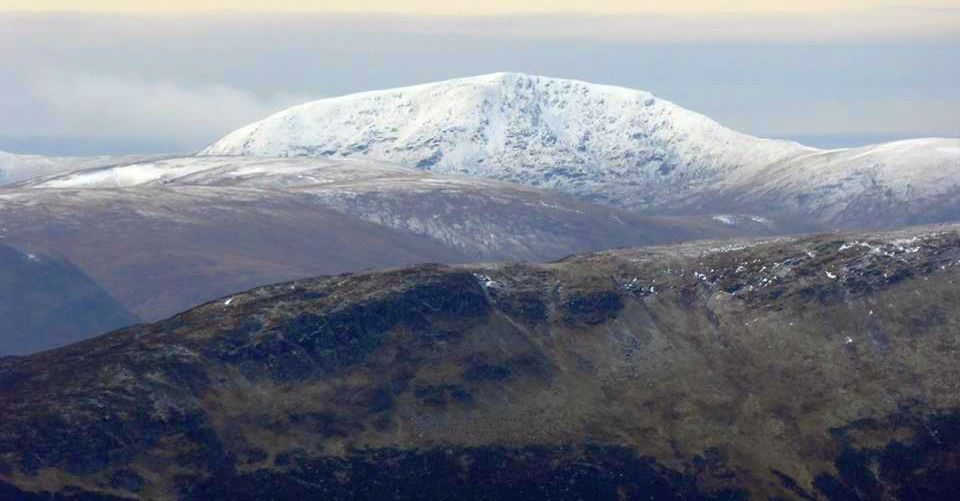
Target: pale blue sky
78, 84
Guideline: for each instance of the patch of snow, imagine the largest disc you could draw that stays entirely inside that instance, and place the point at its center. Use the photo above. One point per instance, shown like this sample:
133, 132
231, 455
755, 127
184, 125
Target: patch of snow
486, 281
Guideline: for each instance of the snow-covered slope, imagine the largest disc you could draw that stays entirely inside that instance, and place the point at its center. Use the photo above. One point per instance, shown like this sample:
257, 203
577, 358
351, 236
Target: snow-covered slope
273, 173
886, 185
598, 142
479, 218
615, 146
15, 168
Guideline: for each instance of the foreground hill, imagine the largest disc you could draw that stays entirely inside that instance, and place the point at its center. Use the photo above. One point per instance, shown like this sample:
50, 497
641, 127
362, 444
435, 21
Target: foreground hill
616, 146
47, 302
811, 368
163, 236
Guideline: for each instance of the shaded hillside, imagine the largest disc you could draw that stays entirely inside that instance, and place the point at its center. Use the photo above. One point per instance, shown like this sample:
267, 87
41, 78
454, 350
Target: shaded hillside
814, 368
47, 302
167, 235
163, 251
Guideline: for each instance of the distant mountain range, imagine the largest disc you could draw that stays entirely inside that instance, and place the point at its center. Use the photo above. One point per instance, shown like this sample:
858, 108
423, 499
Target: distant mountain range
413, 365
496, 167
615, 146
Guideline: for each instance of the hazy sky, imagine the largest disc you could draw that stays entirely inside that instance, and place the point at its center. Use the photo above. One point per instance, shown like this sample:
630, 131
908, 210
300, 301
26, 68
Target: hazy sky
472, 7
109, 76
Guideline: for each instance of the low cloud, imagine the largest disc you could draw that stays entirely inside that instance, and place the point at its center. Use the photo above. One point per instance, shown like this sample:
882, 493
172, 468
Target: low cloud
130, 107
77, 84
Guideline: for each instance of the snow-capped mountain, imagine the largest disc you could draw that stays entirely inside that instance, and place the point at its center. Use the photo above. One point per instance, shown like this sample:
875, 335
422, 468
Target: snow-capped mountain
595, 141
615, 146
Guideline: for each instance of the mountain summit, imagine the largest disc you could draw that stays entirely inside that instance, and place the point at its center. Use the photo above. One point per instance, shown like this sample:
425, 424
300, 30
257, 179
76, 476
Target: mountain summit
619, 147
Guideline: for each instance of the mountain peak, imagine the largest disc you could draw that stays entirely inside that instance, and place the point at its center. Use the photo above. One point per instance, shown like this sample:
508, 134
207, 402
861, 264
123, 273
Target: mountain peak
606, 144
502, 76
615, 144
513, 77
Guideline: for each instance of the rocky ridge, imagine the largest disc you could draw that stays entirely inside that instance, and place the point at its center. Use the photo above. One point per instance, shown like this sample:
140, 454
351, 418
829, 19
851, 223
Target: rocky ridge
796, 368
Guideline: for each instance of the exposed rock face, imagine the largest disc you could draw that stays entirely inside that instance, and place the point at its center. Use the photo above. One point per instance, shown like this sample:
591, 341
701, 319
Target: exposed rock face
813, 368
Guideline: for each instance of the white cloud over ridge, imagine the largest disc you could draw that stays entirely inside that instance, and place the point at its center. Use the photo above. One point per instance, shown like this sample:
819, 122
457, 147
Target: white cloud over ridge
108, 82
118, 107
